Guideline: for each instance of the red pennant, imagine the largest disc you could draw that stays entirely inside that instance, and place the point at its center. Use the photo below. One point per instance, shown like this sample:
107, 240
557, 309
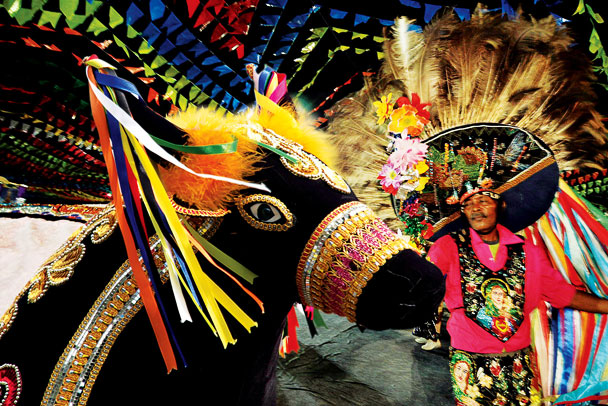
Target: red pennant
192, 5
204, 18
217, 5
153, 95
30, 42
218, 33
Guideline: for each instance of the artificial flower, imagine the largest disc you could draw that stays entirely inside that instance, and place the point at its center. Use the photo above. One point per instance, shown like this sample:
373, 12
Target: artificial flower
422, 181
415, 102
384, 108
408, 152
428, 230
421, 167
390, 180
404, 118
486, 183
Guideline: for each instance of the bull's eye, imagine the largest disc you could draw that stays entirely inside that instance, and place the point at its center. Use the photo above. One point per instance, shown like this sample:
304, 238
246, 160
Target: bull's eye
265, 212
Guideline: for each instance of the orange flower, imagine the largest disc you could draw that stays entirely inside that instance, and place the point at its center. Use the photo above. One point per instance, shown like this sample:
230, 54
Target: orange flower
405, 118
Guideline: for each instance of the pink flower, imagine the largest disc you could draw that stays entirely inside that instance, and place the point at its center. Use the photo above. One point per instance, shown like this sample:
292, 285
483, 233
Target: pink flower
390, 178
408, 152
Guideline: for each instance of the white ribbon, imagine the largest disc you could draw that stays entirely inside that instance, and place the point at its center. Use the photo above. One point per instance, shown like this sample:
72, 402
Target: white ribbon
147, 142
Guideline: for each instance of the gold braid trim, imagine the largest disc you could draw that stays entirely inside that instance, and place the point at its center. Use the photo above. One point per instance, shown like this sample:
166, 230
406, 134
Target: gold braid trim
197, 212
78, 367
59, 268
354, 244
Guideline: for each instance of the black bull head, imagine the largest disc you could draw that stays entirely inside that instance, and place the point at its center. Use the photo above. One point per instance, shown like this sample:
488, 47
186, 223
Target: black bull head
77, 332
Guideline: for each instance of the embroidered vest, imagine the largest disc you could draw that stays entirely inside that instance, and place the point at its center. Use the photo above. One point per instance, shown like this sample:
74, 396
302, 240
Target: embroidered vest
493, 300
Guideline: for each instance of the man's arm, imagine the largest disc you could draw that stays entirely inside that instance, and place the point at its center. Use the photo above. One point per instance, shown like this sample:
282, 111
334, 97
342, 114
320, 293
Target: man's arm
588, 303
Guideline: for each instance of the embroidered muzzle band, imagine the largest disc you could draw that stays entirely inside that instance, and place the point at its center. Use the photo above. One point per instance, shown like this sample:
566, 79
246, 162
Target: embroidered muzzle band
342, 255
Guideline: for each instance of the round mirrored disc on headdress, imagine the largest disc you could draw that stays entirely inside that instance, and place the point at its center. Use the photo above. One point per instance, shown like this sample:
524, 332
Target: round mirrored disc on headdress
505, 159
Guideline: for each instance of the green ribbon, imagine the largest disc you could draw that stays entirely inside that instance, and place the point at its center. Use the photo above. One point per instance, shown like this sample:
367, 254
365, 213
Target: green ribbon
212, 149
221, 256
278, 152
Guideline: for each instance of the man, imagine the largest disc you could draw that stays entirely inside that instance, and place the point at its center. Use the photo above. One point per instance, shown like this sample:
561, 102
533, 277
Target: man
481, 263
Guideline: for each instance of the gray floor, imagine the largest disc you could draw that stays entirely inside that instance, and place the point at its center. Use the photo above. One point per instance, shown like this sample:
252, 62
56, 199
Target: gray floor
344, 366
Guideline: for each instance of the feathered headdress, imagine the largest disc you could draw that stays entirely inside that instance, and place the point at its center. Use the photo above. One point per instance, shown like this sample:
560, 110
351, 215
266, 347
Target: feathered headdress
490, 69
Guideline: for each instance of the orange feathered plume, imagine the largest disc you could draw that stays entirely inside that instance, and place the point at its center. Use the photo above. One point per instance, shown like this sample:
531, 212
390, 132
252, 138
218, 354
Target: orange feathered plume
205, 127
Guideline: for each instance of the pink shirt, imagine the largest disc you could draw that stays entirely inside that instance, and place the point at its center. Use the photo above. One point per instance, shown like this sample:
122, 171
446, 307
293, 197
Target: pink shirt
542, 283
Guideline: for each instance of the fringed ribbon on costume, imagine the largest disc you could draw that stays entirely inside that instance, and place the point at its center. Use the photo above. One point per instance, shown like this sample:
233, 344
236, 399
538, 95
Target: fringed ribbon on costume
289, 343
134, 180
573, 354
314, 320
269, 83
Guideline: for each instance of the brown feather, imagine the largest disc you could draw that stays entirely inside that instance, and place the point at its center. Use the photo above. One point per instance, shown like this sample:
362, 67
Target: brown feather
522, 72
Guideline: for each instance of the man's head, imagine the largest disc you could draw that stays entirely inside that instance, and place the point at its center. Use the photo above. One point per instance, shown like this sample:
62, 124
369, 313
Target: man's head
482, 208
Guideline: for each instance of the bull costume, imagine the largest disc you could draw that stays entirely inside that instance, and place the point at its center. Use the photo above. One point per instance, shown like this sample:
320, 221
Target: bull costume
471, 108
225, 233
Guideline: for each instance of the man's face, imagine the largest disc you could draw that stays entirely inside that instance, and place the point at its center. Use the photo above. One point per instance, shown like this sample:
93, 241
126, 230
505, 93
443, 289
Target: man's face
482, 212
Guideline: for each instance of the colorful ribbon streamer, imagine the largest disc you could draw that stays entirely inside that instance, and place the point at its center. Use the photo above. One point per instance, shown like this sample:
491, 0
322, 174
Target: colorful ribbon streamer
134, 181
573, 355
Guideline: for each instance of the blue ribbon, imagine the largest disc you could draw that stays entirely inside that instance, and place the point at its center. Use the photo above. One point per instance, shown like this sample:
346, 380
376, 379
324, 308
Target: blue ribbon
132, 218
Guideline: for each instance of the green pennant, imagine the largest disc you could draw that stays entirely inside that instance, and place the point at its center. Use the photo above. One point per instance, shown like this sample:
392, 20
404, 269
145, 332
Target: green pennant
91, 6
144, 48
148, 71
49, 17
594, 15
68, 7
158, 62
194, 92
595, 44
133, 33
166, 78
201, 99
580, 9
75, 20
317, 319
181, 83
171, 71
23, 15
171, 93
121, 45
115, 18
96, 27
182, 102
12, 6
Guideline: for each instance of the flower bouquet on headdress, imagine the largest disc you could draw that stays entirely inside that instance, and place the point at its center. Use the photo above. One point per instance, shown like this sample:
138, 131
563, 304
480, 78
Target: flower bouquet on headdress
403, 176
